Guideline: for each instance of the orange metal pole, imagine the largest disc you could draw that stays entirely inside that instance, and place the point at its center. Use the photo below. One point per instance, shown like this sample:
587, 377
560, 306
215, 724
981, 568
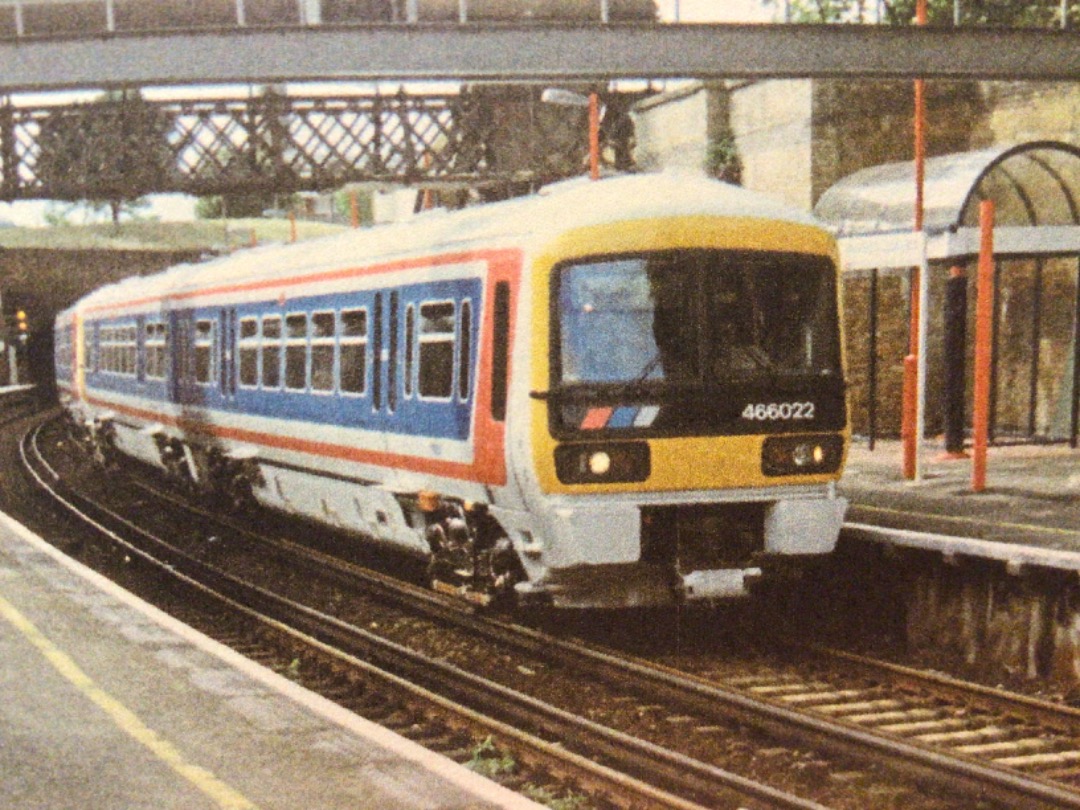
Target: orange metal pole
292, 226
594, 136
909, 414
354, 210
984, 329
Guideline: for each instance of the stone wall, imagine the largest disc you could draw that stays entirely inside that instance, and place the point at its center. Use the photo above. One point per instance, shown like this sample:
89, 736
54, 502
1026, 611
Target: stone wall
1012, 624
1017, 112
676, 130
855, 125
772, 123
45, 281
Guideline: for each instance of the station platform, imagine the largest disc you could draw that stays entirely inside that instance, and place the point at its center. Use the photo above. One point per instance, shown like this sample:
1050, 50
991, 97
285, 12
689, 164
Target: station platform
106, 703
1031, 499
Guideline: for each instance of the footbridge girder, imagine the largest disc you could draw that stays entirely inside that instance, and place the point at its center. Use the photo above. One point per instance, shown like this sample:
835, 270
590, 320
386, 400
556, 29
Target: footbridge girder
543, 53
124, 146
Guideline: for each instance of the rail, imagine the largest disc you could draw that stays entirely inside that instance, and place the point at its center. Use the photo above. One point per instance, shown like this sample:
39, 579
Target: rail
825, 711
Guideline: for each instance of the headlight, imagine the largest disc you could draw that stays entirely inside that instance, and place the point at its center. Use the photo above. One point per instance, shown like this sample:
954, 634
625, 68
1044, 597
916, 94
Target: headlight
599, 463
618, 462
801, 455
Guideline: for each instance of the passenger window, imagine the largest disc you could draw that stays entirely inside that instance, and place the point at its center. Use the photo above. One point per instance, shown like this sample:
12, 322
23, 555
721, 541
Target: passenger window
204, 352
436, 361
154, 347
354, 339
131, 350
322, 351
271, 352
296, 327
249, 352
118, 349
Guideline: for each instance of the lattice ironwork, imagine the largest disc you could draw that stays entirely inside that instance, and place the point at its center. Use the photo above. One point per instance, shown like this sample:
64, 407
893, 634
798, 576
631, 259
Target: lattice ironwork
126, 147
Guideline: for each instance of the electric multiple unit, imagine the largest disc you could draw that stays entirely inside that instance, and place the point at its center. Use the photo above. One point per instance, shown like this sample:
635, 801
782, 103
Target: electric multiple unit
615, 393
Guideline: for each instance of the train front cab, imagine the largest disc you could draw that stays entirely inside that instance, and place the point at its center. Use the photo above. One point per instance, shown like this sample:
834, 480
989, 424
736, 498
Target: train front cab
688, 417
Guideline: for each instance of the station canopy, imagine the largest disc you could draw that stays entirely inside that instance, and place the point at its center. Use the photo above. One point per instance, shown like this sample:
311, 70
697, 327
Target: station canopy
1035, 188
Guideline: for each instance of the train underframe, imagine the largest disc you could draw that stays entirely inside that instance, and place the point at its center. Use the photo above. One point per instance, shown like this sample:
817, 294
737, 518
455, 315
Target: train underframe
625, 553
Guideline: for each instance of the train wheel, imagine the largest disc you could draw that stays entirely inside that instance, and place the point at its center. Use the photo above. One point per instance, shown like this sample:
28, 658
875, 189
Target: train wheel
470, 556
102, 445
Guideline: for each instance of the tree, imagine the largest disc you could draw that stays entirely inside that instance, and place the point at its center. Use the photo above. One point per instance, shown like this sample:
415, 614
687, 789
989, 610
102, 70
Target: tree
59, 214
233, 206
110, 152
1014, 13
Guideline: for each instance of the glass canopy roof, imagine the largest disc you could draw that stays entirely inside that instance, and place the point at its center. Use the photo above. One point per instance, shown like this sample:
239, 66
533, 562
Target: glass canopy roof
1032, 184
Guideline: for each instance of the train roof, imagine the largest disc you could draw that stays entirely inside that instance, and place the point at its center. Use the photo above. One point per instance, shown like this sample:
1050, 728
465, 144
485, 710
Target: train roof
525, 221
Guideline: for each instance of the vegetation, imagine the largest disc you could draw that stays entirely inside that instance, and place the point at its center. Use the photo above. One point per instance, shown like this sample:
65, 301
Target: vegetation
488, 761
722, 159
255, 204
115, 146
163, 236
1016, 13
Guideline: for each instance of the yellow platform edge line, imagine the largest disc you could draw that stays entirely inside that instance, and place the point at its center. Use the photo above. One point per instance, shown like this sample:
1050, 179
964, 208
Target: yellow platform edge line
1028, 527
126, 720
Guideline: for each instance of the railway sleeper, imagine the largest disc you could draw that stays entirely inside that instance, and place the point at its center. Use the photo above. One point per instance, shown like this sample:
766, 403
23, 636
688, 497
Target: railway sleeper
1034, 761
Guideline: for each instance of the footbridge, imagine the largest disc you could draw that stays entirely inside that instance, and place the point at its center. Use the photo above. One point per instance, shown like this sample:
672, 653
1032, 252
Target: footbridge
483, 125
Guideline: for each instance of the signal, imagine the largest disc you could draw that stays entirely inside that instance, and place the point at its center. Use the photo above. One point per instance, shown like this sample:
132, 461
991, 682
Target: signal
21, 327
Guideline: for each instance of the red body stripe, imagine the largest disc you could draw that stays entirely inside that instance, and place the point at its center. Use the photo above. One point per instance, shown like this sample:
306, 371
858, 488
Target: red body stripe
489, 437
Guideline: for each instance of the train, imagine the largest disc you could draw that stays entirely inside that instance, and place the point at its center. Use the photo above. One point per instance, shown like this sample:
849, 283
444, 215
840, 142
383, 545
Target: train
607, 394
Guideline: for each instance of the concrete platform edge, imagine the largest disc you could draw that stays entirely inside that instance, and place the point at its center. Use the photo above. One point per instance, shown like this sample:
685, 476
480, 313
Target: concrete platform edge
453, 772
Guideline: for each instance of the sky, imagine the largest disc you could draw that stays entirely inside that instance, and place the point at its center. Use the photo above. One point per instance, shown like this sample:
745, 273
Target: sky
177, 207
715, 10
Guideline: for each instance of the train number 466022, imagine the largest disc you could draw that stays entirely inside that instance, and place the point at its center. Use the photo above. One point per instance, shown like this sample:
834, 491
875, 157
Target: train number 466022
770, 411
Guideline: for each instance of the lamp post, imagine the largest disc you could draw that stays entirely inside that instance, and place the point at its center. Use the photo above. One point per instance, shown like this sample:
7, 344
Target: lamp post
568, 98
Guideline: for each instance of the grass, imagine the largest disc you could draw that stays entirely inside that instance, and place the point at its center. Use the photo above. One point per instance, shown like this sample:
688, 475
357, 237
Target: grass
488, 761
213, 235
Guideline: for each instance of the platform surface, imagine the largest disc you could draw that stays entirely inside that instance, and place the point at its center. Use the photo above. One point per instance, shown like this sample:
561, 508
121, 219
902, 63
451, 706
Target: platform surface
108, 704
1032, 494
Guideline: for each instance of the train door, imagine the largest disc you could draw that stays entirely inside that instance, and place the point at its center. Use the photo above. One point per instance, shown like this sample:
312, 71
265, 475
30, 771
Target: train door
377, 359
392, 355
182, 388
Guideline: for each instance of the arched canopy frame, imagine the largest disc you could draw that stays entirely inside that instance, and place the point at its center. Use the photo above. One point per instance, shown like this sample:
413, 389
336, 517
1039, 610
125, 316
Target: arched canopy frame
1035, 187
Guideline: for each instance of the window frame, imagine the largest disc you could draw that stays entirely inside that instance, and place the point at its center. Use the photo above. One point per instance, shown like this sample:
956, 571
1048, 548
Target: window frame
429, 338
344, 339
249, 343
289, 341
316, 340
276, 343
204, 341
155, 344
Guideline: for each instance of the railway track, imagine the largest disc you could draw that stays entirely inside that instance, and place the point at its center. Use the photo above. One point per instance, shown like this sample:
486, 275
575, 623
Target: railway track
878, 730
343, 648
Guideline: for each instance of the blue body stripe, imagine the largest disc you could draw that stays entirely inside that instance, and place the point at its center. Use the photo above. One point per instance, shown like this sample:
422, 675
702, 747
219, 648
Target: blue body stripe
444, 418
